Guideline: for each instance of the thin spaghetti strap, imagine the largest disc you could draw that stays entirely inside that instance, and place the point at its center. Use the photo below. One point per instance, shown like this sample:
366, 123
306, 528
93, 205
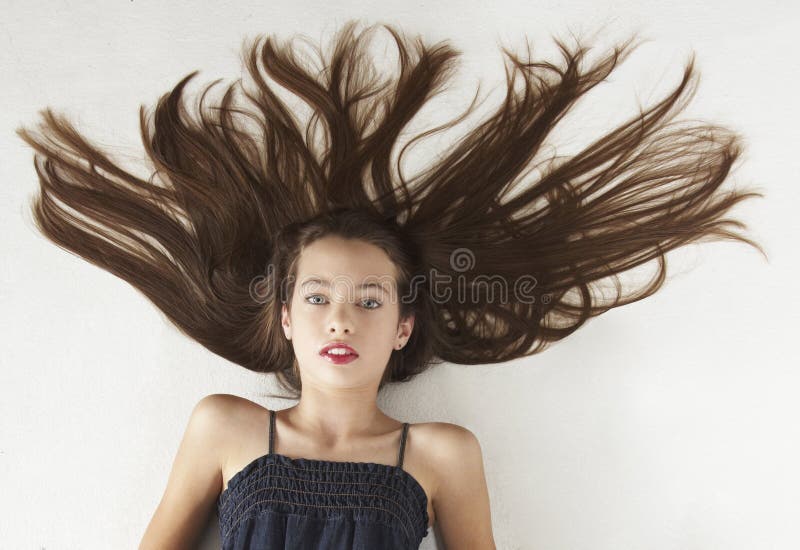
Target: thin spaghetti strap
271, 431
402, 445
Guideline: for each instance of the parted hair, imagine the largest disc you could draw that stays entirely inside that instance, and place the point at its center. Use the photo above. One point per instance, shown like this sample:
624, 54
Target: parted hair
238, 188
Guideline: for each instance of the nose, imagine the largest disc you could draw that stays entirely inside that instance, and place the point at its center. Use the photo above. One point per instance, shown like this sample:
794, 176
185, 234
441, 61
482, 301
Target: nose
339, 321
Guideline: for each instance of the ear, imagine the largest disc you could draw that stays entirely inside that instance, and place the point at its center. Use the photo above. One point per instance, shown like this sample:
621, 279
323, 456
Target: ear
404, 328
285, 322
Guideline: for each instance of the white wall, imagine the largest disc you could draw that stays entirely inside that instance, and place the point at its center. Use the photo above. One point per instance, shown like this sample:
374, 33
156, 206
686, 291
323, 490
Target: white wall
667, 424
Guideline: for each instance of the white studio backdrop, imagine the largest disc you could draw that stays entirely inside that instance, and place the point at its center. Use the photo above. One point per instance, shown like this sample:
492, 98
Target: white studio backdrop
667, 424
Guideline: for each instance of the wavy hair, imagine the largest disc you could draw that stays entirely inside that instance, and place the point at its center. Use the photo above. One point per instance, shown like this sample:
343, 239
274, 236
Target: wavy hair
238, 188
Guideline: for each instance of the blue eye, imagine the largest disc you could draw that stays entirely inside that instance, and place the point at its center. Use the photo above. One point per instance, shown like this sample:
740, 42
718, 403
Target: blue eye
376, 306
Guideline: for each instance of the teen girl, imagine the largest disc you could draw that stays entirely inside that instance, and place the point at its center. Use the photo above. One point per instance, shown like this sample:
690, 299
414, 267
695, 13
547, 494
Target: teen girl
302, 252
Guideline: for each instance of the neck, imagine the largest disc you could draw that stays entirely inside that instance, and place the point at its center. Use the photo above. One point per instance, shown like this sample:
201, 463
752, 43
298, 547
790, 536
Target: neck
335, 418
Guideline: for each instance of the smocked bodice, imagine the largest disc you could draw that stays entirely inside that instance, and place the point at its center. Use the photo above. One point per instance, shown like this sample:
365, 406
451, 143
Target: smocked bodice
300, 503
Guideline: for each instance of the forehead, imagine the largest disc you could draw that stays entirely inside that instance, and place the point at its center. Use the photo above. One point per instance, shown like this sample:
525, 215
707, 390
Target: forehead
334, 260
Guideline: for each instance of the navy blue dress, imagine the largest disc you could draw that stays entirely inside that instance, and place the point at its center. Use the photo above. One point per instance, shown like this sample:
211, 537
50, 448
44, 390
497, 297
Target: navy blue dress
277, 502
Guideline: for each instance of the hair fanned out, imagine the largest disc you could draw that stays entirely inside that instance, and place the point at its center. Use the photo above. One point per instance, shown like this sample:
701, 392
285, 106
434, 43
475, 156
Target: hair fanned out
227, 180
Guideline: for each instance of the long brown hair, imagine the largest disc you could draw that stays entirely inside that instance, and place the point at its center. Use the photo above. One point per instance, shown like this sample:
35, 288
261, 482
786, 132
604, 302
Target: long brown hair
238, 190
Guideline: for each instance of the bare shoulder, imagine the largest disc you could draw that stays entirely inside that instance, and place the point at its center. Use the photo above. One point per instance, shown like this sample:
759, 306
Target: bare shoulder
235, 410
226, 402
195, 479
460, 495
445, 446
452, 436
219, 410
226, 417
225, 405
232, 407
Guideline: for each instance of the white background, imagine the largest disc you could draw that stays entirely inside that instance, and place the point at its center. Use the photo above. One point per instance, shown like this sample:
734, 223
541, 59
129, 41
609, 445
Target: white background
667, 424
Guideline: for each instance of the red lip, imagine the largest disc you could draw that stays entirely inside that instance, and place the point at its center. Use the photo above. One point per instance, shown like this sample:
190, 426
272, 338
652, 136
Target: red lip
339, 359
335, 344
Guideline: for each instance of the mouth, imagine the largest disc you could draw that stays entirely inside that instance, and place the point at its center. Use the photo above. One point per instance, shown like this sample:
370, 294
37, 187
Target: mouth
338, 353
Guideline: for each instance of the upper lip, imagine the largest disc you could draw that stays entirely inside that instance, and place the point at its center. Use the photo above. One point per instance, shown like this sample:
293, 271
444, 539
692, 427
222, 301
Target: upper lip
336, 344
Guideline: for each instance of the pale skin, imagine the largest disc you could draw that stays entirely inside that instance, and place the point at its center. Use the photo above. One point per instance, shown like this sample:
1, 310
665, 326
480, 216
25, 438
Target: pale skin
337, 417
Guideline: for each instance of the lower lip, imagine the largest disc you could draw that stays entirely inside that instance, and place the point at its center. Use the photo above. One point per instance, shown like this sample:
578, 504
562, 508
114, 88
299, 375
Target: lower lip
339, 359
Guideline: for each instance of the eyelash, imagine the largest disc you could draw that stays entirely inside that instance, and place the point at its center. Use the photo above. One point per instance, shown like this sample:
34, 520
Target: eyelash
366, 300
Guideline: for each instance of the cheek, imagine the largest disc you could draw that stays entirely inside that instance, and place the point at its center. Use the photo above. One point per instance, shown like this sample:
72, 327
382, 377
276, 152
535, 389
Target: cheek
383, 334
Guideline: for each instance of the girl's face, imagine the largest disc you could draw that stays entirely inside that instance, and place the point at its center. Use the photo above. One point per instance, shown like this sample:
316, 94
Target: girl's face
345, 291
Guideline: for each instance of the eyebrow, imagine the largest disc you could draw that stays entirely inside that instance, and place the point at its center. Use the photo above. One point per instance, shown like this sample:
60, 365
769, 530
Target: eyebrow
326, 283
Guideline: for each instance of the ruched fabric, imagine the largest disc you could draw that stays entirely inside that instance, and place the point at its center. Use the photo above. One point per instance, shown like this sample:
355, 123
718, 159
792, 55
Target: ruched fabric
277, 502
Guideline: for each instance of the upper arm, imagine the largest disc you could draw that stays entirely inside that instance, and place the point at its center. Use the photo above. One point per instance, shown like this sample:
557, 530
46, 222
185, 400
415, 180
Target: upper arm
461, 499
195, 480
